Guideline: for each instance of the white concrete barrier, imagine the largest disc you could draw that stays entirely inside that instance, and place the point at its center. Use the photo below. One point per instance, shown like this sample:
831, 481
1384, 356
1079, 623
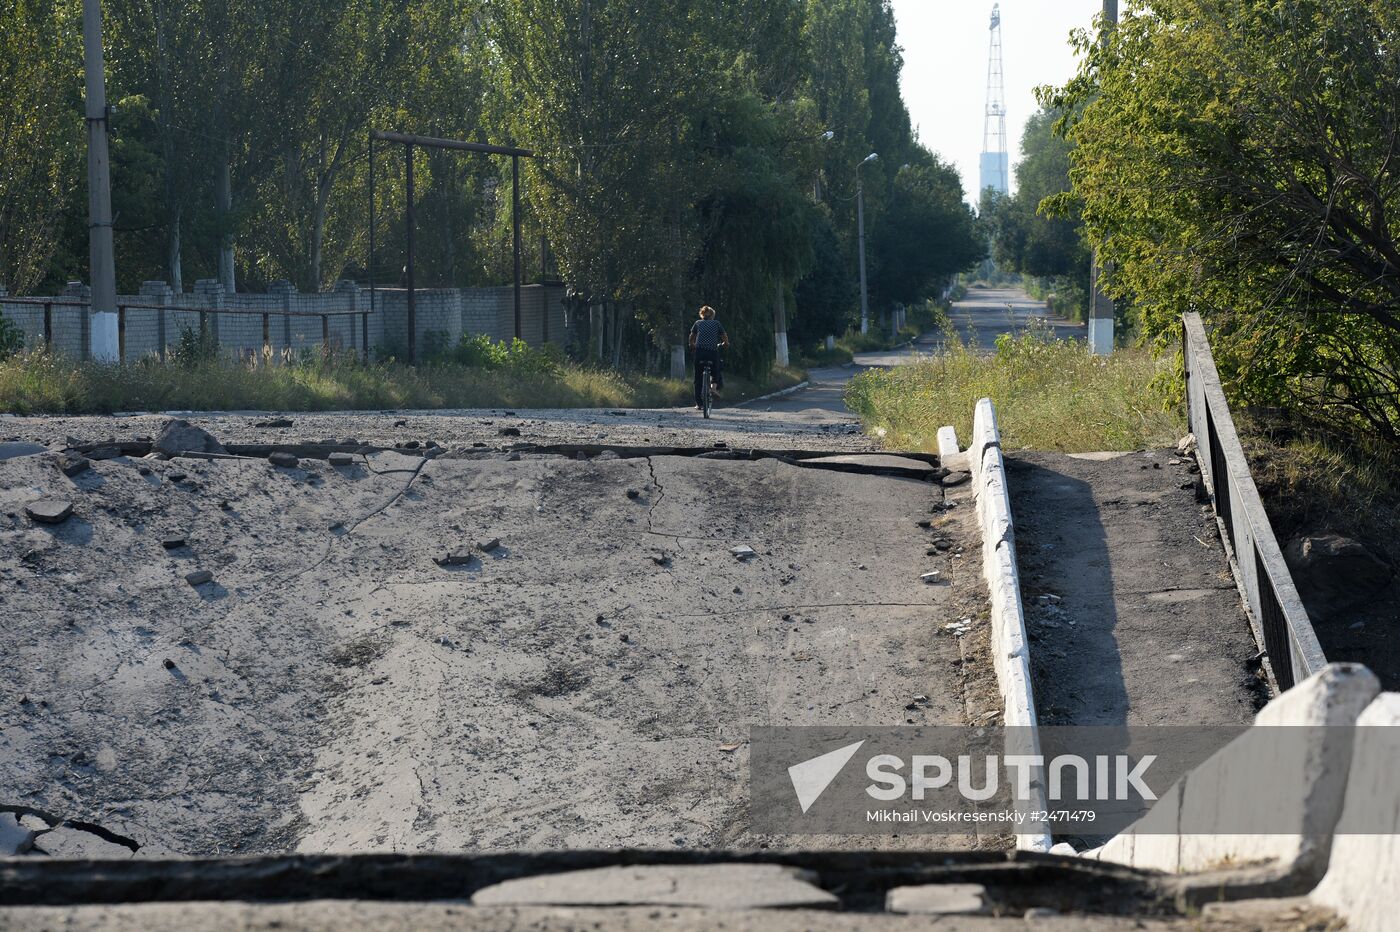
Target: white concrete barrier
1294, 786
1363, 874
1010, 646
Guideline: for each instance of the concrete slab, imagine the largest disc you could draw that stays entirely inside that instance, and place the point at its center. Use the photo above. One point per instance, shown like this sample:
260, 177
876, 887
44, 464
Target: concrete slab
939, 899
12, 448
710, 886
878, 461
1140, 623
338, 915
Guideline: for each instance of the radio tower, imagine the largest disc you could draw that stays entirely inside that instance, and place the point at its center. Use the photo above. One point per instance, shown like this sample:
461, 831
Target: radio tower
995, 163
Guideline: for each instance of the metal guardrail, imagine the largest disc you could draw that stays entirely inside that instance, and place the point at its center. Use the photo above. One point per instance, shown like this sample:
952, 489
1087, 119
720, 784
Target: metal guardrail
50, 303
1276, 613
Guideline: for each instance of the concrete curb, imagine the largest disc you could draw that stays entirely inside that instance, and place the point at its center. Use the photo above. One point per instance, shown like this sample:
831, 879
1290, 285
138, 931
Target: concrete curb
1010, 645
781, 393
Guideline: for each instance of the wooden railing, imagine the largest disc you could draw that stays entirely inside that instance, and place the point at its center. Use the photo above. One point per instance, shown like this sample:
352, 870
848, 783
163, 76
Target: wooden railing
1280, 623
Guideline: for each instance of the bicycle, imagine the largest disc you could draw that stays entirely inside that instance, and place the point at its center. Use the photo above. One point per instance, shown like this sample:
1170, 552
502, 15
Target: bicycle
706, 386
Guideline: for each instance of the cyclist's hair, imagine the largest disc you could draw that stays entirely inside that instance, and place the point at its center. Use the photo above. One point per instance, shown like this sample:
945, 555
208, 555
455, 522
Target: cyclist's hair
707, 312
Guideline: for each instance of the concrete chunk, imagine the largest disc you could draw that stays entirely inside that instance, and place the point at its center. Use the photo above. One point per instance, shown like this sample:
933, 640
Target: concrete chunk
283, 458
938, 899
199, 577
179, 436
710, 886
73, 464
341, 459
49, 511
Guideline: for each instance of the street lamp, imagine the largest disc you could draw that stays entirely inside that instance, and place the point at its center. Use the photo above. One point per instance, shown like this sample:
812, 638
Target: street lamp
860, 223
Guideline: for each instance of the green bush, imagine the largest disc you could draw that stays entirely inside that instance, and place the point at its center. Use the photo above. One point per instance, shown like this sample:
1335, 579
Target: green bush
515, 356
194, 348
11, 338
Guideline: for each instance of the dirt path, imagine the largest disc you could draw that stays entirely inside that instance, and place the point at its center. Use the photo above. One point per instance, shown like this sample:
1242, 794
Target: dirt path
1134, 618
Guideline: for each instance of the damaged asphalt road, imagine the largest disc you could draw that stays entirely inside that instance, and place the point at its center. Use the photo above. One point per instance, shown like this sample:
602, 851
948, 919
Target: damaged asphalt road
482, 650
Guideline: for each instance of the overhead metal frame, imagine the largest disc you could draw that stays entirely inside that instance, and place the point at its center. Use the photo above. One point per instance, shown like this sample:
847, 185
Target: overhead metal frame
409, 142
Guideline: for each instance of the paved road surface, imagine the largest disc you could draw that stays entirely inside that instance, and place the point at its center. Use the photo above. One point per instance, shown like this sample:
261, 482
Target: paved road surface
986, 313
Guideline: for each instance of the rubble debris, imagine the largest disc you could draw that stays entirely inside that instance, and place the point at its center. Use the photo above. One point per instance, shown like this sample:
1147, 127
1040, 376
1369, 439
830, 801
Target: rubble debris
275, 422
199, 577
488, 545
634, 494
932, 576
72, 464
168, 663
1334, 573
509, 432
174, 542
283, 458
459, 557
743, 552
956, 478
49, 511
341, 459
179, 436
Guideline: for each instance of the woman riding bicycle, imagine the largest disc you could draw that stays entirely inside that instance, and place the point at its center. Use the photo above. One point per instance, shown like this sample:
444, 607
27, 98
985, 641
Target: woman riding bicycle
706, 338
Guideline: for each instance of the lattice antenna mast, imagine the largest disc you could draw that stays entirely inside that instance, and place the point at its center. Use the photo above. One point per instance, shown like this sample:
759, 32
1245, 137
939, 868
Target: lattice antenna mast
995, 161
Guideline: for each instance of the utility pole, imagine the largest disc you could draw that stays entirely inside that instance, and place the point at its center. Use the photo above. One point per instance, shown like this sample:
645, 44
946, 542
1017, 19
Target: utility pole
860, 225
102, 268
1100, 305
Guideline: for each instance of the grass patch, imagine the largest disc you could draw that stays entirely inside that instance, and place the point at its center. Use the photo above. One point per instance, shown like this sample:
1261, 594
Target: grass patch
823, 358
43, 383
1049, 394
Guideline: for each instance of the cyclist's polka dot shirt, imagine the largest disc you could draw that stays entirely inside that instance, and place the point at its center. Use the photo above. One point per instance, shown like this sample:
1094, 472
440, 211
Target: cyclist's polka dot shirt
707, 334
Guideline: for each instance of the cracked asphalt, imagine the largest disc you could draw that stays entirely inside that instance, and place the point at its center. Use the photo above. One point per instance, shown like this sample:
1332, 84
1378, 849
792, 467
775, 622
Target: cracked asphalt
590, 682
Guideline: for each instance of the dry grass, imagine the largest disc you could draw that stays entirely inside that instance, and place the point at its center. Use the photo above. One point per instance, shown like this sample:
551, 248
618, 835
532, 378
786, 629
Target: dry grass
40, 383
1050, 395
1312, 481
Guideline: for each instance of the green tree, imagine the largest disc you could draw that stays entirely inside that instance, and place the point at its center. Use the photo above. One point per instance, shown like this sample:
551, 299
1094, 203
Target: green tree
1038, 231
926, 235
1238, 158
41, 134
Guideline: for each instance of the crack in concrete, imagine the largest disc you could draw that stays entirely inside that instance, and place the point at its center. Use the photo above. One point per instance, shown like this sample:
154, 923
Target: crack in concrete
660, 494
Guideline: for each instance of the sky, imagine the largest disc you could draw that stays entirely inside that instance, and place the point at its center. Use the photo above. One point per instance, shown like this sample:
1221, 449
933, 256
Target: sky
945, 46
